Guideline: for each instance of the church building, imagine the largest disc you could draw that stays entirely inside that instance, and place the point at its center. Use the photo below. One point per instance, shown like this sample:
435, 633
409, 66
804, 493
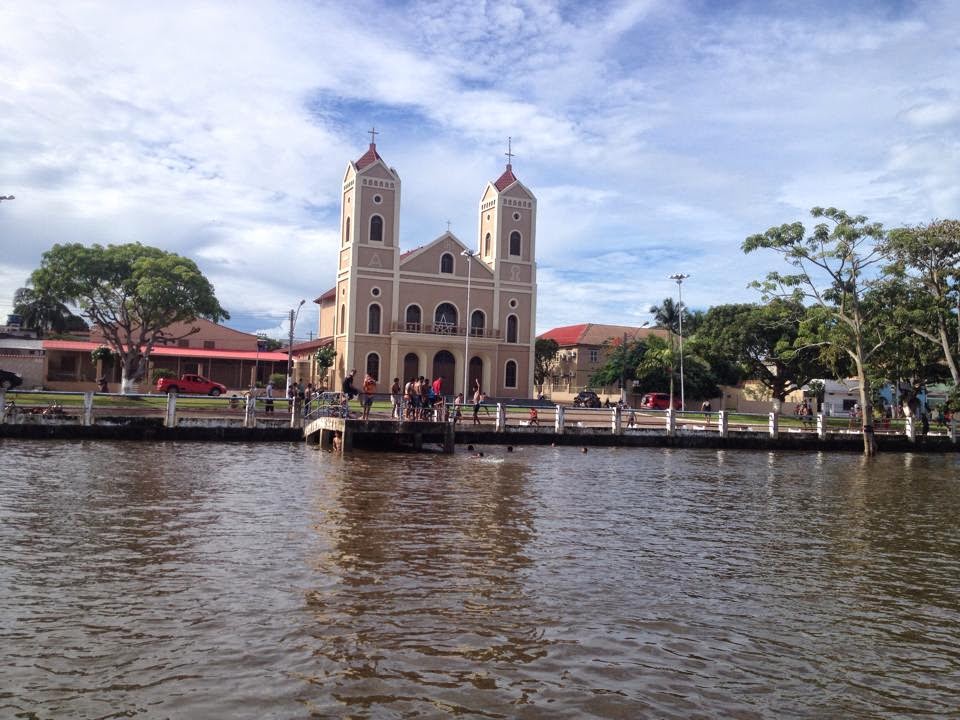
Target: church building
463, 314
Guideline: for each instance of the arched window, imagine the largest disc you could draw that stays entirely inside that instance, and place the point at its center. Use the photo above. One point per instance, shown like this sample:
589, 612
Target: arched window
510, 374
512, 329
414, 318
446, 263
376, 229
343, 317
373, 319
477, 323
486, 244
411, 366
346, 232
445, 319
515, 243
373, 366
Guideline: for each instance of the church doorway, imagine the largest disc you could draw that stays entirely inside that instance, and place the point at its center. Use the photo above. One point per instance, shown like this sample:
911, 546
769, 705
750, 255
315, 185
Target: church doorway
411, 367
444, 366
476, 374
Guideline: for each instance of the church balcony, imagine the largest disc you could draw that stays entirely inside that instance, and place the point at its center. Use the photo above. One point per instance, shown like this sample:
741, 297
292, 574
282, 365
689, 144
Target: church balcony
444, 329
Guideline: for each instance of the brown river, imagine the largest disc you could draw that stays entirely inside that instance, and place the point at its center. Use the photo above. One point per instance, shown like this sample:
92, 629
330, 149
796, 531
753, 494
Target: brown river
198, 580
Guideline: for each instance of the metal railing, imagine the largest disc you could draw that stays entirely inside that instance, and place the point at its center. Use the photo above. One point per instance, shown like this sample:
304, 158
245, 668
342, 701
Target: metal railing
439, 329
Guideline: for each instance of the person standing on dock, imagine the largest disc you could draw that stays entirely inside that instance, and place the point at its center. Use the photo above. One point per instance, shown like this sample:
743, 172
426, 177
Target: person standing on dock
369, 390
477, 399
396, 399
268, 403
349, 392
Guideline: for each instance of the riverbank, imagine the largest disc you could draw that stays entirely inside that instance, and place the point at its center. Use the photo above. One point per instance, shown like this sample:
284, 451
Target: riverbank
383, 435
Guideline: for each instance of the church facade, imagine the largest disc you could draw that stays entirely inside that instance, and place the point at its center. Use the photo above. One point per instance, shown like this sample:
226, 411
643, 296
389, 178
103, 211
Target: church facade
463, 314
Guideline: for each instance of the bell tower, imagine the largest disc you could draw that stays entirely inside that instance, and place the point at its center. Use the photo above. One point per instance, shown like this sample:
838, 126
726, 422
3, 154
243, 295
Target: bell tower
368, 263
507, 244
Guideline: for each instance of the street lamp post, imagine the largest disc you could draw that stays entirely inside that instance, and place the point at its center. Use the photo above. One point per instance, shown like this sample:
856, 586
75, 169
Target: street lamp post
679, 278
293, 322
468, 254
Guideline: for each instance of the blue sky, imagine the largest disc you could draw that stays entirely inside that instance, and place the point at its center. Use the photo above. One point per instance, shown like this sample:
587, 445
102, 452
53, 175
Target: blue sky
656, 135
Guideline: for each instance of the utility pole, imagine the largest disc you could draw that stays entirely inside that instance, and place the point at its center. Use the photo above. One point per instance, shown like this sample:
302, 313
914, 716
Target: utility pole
293, 321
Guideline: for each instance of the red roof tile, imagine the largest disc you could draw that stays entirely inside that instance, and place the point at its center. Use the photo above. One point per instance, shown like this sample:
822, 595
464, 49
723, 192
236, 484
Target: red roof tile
505, 180
369, 157
568, 335
328, 295
168, 351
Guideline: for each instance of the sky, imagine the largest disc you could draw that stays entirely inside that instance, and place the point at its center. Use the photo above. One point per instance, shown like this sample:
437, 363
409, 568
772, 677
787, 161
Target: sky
655, 135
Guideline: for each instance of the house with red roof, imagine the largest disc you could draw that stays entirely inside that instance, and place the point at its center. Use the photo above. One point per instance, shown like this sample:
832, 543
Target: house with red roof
461, 312
217, 352
584, 349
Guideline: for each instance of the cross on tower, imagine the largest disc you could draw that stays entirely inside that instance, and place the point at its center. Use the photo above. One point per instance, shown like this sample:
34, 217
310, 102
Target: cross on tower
448, 226
509, 152
373, 135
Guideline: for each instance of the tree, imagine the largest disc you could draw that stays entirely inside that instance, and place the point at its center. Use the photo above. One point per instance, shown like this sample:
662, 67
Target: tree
131, 292
621, 362
544, 353
324, 358
43, 313
831, 272
761, 343
667, 315
659, 369
927, 258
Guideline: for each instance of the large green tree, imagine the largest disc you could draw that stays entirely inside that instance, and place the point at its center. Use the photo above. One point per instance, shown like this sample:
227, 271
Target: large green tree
926, 259
760, 342
132, 293
832, 269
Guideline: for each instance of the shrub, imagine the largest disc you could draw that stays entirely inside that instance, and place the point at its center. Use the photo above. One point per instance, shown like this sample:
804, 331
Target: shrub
162, 373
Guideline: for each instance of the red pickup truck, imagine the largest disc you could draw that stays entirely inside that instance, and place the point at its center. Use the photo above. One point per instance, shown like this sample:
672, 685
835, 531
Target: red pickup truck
190, 384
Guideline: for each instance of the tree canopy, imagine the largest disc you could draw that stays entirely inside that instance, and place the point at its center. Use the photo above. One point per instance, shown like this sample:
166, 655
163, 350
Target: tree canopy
45, 314
763, 343
832, 271
544, 353
130, 292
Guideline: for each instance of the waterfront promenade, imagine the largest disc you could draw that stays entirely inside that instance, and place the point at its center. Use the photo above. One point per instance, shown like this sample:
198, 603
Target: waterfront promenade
161, 417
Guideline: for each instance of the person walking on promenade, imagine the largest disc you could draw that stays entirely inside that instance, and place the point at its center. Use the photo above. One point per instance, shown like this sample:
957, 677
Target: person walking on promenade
534, 420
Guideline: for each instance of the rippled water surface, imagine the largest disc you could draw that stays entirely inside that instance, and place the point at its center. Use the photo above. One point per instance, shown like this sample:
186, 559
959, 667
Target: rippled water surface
276, 581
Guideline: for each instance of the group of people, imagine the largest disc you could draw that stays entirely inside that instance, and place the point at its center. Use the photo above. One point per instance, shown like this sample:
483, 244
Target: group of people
420, 398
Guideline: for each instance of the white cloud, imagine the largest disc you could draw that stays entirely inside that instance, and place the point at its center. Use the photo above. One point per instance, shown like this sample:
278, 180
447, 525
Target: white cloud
655, 135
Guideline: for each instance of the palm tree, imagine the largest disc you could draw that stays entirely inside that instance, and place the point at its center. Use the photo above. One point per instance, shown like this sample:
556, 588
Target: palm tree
43, 313
667, 315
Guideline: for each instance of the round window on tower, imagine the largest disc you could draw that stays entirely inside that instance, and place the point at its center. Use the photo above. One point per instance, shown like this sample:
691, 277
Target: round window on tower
513, 302
377, 199
516, 216
375, 292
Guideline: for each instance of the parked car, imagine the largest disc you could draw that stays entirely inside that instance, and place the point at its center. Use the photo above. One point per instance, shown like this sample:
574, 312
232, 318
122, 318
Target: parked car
190, 384
9, 380
587, 399
658, 401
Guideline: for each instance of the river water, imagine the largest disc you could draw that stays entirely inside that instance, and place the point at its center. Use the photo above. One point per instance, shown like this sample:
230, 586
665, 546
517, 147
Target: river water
193, 580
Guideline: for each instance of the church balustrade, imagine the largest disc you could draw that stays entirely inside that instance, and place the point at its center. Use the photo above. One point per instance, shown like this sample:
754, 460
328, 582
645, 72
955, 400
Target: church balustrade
445, 329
